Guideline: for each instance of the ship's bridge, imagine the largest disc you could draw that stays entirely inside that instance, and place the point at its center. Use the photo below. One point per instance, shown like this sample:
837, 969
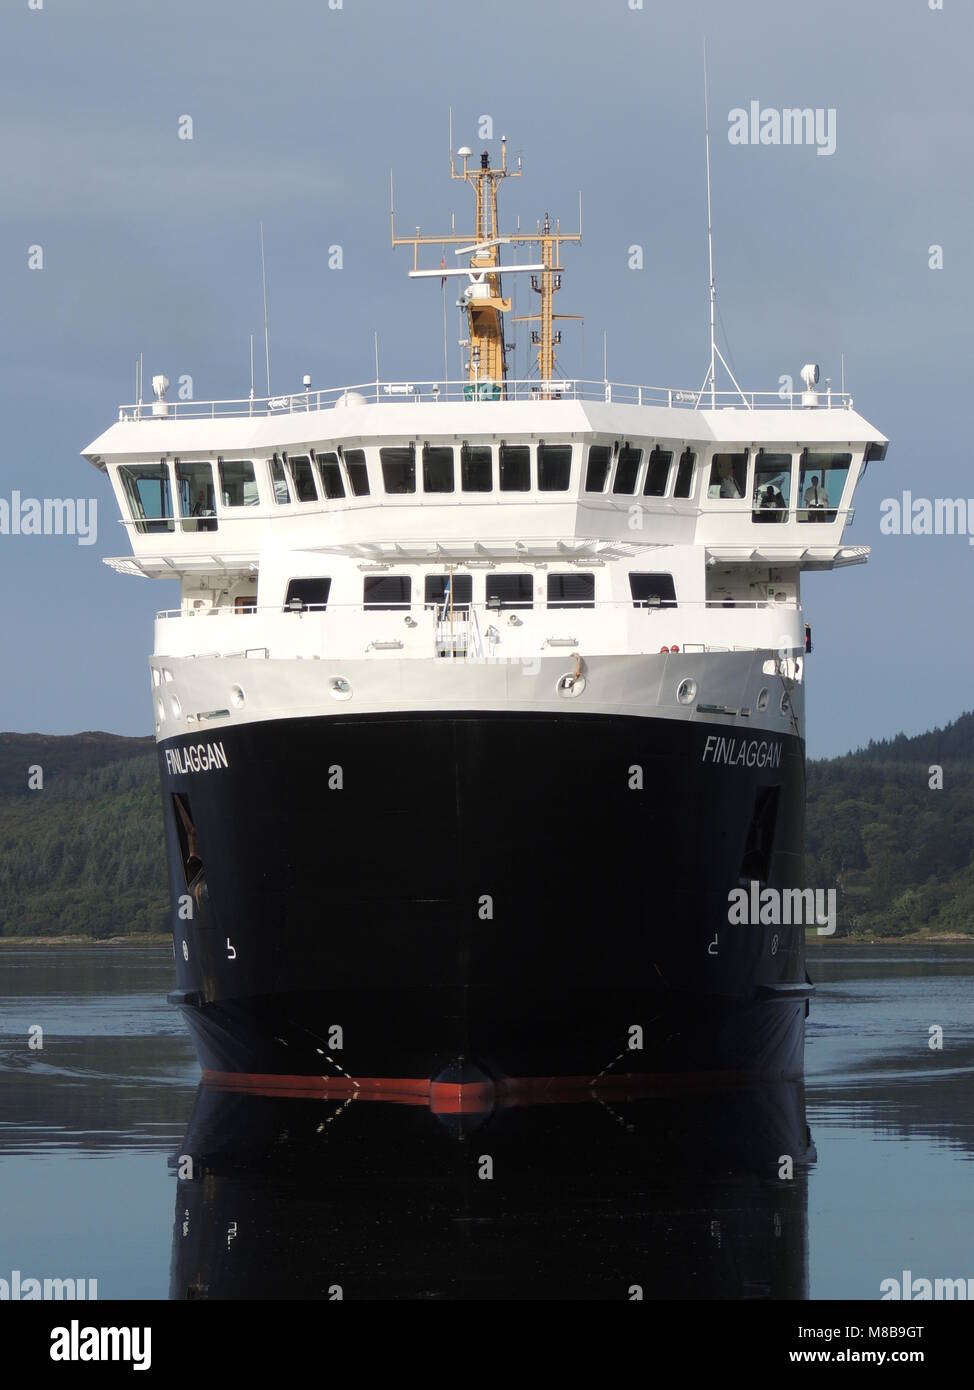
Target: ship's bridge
211, 485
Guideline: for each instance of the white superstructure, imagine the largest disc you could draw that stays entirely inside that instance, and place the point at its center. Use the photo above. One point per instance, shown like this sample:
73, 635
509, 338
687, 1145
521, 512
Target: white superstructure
437, 545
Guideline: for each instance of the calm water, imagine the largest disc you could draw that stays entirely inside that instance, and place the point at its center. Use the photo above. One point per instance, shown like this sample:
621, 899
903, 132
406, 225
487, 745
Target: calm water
681, 1196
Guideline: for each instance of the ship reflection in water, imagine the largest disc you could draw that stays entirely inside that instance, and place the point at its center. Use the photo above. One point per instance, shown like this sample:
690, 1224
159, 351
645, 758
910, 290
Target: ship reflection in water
662, 1196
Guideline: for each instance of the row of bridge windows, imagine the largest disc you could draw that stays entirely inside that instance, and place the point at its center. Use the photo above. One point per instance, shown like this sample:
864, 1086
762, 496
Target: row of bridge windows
394, 591
621, 469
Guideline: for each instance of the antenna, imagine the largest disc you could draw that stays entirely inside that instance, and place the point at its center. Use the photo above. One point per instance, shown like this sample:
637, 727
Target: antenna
710, 231
251, 366
715, 351
267, 340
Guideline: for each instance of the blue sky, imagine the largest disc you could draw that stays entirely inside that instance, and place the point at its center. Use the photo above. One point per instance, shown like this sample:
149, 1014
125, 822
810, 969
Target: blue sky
300, 110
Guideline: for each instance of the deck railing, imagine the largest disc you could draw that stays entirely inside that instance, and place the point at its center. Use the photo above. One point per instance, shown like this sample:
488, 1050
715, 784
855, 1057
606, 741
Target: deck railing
527, 390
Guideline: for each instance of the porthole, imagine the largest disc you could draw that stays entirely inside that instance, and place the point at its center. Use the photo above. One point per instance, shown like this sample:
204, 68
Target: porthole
175, 706
761, 703
570, 686
185, 951
687, 691
785, 703
160, 710
340, 688
237, 697
155, 675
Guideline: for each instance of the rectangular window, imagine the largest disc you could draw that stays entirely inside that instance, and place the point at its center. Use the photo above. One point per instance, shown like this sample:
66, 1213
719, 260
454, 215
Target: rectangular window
684, 474
303, 478
515, 460
772, 487
387, 590
197, 496
476, 468
652, 590
307, 593
597, 468
279, 485
238, 483
509, 590
330, 473
442, 589
149, 496
571, 590
245, 603
399, 469
437, 468
358, 472
627, 467
820, 484
554, 467
728, 475
657, 473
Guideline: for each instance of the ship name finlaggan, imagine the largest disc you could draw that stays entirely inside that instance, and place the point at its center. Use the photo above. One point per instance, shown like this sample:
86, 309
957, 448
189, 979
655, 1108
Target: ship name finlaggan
196, 757
733, 752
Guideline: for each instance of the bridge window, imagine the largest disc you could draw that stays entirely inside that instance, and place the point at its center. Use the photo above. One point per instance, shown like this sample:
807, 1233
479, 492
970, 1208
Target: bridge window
509, 590
627, 468
571, 590
437, 468
515, 468
399, 469
149, 496
772, 487
307, 593
387, 590
238, 483
657, 473
303, 478
652, 590
282, 494
684, 474
197, 496
476, 468
820, 483
441, 588
597, 468
554, 467
728, 475
330, 473
357, 470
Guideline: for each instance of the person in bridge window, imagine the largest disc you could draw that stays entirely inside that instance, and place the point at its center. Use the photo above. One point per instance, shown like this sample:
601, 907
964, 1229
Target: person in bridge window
728, 483
816, 500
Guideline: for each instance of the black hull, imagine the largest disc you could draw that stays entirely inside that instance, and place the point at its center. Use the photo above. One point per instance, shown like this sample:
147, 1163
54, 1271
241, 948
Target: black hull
486, 887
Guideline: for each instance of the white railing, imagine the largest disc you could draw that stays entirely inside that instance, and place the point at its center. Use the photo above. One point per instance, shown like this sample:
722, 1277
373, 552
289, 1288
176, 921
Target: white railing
430, 392
418, 630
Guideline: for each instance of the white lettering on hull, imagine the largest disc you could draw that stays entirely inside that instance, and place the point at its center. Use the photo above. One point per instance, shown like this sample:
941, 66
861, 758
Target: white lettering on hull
742, 752
195, 757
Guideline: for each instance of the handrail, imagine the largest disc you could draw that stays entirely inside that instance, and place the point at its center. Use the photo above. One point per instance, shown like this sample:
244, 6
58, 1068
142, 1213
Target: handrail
521, 389
495, 614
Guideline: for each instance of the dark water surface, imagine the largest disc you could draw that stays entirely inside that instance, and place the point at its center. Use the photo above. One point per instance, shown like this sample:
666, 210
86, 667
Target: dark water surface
678, 1195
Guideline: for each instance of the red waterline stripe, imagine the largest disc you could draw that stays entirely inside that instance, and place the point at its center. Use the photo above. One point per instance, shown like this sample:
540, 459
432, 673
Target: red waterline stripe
458, 1097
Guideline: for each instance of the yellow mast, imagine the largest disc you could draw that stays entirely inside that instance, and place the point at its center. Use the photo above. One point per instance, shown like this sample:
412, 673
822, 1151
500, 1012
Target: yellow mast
482, 299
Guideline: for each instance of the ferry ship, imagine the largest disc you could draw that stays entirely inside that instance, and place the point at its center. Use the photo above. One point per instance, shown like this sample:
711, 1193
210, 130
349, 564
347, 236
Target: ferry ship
481, 699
